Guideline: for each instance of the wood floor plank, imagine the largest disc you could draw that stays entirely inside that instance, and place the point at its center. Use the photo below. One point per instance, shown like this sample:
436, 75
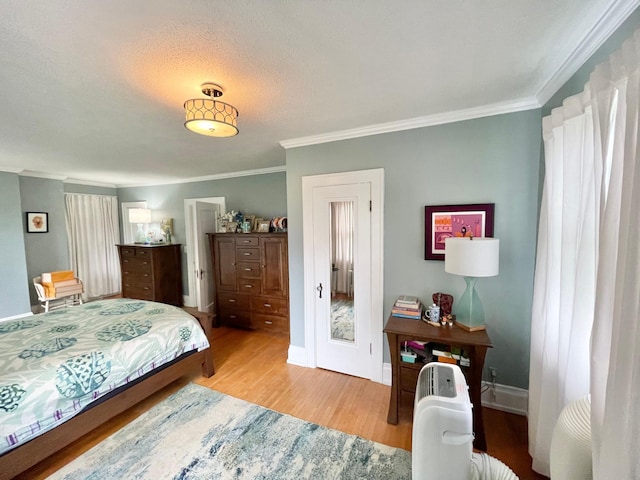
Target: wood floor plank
252, 366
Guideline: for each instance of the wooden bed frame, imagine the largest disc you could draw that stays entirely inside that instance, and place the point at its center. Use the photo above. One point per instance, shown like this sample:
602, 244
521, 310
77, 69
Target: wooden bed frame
34, 451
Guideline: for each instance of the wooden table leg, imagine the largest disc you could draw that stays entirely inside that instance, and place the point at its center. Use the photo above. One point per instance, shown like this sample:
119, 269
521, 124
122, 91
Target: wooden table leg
477, 364
392, 416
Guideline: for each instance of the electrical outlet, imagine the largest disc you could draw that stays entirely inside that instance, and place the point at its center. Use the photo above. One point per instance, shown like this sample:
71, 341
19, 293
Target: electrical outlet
494, 373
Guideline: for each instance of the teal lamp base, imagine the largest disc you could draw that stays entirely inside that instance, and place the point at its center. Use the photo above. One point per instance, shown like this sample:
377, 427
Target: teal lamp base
468, 310
140, 236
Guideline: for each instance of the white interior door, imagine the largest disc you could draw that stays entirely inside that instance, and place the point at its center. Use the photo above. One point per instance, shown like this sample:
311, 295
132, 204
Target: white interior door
343, 313
206, 221
196, 245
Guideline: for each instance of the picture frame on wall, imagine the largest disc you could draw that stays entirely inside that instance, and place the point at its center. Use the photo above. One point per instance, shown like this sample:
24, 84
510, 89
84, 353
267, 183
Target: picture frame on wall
37, 222
443, 221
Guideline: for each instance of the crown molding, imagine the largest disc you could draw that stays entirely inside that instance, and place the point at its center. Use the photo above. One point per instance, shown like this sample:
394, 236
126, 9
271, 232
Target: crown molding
418, 122
92, 183
49, 176
617, 12
10, 170
219, 176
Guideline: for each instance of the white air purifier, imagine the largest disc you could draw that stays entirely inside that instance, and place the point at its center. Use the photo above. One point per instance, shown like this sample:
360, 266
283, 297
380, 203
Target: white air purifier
442, 424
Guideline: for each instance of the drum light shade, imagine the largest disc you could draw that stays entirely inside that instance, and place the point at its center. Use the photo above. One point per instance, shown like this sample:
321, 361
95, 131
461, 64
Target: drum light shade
210, 117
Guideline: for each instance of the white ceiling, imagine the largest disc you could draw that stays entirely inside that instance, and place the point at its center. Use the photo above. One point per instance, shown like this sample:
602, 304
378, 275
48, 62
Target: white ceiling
93, 90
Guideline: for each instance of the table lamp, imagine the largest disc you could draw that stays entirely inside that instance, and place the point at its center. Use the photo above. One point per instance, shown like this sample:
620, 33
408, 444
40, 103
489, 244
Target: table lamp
471, 258
140, 216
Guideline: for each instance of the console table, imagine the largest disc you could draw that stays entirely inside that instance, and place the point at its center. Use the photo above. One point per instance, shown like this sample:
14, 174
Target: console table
405, 375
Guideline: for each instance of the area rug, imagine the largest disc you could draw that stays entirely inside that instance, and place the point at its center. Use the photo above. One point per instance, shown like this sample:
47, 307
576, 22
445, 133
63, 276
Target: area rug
198, 433
342, 321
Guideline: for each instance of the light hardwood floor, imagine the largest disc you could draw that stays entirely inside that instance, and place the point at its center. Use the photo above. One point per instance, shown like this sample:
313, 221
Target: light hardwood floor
252, 366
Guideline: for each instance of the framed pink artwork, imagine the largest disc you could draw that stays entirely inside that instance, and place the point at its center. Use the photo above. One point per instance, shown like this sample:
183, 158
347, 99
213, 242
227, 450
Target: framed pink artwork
443, 221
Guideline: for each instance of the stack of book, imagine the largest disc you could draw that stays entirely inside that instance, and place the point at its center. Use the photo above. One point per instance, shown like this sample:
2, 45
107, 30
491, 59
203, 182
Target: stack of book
448, 354
407, 307
60, 284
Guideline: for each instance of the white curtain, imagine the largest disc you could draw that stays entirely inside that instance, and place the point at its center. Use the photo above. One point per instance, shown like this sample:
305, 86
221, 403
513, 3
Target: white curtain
342, 244
93, 232
615, 359
584, 332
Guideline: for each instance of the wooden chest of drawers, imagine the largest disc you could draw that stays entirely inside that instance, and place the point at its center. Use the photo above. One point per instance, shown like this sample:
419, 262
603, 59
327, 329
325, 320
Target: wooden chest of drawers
251, 280
151, 272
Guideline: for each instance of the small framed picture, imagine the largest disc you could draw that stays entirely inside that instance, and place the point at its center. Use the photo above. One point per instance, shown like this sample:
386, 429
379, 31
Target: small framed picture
256, 223
263, 225
37, 222
232, 227
251, 219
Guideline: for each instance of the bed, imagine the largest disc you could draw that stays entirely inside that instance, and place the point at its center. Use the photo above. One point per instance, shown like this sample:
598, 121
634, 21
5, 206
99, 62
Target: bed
65, 372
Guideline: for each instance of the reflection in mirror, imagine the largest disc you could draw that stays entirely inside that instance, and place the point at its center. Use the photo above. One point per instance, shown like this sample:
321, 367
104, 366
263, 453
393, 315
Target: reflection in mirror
342, 316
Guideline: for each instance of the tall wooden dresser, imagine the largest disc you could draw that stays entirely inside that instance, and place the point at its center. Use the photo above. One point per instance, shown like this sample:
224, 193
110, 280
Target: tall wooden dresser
251, 280
151, 272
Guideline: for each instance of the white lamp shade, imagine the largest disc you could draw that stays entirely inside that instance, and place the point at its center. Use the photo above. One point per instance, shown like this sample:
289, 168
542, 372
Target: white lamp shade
477, 257
139, 215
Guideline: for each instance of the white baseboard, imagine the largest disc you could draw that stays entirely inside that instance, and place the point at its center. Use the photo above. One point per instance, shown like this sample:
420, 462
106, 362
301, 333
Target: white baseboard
15, 317
386, 374
187, 302
297, 356
505, 398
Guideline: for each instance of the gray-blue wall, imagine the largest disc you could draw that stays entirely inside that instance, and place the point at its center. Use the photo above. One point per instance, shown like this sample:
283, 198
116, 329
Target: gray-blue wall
46, 252
14, 283
488, 160
263, 195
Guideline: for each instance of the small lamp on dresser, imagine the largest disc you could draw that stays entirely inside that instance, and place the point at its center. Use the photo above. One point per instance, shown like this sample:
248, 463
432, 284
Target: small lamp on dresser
140, 216
471, 258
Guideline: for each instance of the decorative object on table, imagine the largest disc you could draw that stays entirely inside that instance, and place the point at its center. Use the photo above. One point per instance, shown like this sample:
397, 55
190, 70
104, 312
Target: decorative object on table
407, 307
263, 226
246, 226
141, 217
232, 227
37, 222
279, 224
252, 221
433, 312
455, 221
166, 225
444, 301
211, 117
256, 223
471, 258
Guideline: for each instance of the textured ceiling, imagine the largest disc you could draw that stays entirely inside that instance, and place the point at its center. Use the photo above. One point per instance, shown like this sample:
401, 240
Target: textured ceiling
94, 90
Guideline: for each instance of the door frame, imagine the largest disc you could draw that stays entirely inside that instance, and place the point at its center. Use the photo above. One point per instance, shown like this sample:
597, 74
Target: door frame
375, 177
189, 210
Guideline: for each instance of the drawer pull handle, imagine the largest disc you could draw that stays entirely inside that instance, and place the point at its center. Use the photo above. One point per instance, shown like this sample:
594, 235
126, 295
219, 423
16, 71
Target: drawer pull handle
247, 269
247, 254
248, 286
232, 316
146, 288
268, 305
127, 285
232, 300
268, 322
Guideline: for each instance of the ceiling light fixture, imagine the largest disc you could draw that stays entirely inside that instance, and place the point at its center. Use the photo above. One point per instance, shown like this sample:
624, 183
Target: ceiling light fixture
210, 117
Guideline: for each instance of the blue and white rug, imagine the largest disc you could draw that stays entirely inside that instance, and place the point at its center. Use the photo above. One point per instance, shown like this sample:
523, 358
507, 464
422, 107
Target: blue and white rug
198, 433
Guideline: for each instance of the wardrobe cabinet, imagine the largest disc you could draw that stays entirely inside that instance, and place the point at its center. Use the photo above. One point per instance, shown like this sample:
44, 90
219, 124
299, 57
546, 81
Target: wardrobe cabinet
251, 280
151, 272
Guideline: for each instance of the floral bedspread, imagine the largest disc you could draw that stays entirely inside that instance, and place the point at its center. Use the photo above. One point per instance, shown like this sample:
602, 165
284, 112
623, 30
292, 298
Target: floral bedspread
53, 364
